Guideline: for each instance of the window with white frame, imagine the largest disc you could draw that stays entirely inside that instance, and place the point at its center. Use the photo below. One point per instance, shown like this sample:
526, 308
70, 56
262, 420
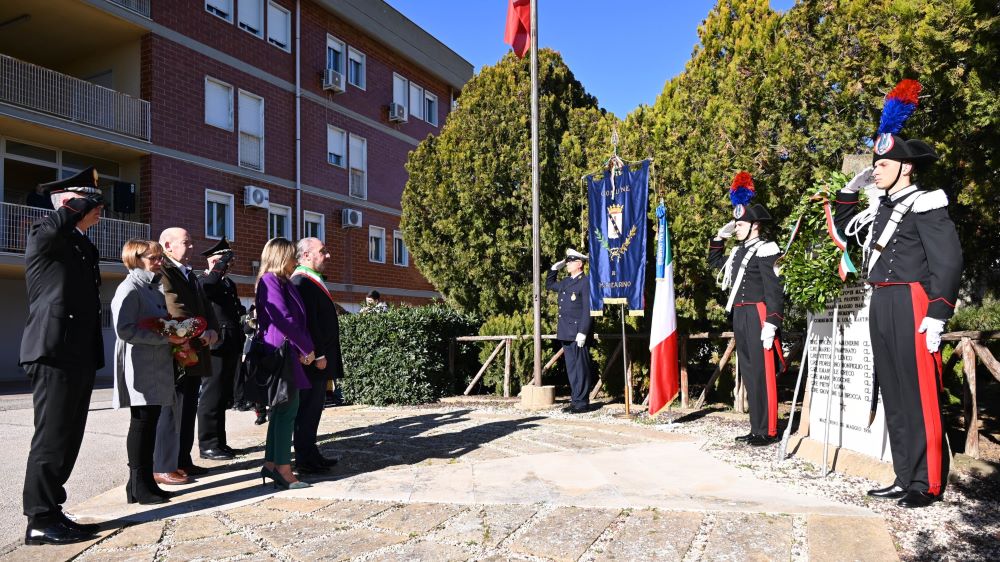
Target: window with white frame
376, 244
416, 101
250, 16
336, 146
399, 89
400, 255
218, 214
431, 108
279, 221
221, 8
335, 50
279, 26
218, 104
358, 157
251, 117
356, 67
313, 225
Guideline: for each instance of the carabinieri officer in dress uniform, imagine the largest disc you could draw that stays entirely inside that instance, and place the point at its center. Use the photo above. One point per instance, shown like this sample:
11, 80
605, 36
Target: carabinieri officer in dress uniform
574, 325
61, 350
913, 260
756, 303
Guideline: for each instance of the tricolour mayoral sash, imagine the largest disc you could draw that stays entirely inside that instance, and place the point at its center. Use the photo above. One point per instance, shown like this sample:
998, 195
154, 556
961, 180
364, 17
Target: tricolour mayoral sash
619, 202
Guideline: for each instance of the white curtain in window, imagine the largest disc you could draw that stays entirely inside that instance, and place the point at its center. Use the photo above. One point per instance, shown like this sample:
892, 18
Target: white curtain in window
218, 104
416, 101
278, 25
399, 90
249, 14
359, 153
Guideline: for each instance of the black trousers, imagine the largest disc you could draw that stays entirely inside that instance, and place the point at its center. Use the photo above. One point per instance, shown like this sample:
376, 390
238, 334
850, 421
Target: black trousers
894, 350
761, 390
578, 371
141, 440
239, 382
61, 399
175, 428
216, 395
311, 403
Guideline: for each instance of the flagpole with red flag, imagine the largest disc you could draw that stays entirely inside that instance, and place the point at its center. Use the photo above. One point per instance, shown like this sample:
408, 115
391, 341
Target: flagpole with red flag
522, 35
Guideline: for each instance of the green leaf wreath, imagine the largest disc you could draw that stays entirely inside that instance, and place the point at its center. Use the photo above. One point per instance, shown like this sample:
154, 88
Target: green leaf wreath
810, 266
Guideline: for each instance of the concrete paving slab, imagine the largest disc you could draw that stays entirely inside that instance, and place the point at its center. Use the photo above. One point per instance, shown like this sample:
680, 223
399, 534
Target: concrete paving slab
215, 548
146, 554
351, 511
344, 545
446, 483
750, 536
295, 530
197, 527
487, 526
418, 518
564, 533
295, 505
256, 516
648, 534
136, 535
425, 551
843, 539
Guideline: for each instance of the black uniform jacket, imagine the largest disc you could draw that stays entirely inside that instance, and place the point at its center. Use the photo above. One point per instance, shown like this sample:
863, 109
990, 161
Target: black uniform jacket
226, 305
187, 300
574, 304
924, 248
324, 327
760, 283
64, 300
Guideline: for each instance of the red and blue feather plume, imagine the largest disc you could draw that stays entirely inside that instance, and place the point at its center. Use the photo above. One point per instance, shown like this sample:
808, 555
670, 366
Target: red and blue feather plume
899, 105
742, 190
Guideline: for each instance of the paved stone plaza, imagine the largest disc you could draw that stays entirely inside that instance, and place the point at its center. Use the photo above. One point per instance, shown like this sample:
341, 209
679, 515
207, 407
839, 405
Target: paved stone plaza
451, 483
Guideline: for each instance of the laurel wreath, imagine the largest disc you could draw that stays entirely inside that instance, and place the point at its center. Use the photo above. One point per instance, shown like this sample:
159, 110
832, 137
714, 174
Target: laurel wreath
616, 253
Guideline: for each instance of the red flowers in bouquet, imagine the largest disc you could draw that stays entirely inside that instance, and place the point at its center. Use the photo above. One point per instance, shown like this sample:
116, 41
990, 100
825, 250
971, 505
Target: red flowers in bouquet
187, 329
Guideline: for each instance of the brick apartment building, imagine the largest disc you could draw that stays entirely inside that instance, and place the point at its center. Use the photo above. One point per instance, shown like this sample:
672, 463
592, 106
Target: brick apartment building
240, 118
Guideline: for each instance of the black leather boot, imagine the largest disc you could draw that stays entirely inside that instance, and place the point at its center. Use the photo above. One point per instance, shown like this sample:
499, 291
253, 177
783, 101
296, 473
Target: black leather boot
138, 491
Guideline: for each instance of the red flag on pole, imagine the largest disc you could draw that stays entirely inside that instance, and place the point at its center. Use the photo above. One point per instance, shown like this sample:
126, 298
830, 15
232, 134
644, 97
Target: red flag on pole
518, 32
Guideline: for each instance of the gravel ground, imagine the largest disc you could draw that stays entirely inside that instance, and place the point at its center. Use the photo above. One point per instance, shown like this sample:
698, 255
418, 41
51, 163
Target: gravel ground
964, 526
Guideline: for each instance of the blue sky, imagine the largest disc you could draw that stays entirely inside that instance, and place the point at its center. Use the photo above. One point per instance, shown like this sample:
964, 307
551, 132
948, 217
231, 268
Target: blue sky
623, 52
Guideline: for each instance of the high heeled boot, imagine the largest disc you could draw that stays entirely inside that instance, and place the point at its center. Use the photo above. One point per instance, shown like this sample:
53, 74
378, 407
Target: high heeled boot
147, 474
137, 491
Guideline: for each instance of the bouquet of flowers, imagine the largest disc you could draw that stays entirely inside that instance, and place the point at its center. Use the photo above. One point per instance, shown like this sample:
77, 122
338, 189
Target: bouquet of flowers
185, 355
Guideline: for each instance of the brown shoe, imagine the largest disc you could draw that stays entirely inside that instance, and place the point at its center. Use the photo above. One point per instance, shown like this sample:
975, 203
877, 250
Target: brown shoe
170, 478
193, 470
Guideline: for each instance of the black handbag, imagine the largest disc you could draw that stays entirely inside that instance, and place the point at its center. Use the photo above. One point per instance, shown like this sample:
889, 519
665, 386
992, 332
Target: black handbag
269, 374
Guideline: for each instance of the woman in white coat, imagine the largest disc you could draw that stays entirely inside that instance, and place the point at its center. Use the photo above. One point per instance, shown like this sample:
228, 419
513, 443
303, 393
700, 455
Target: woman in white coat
144, 363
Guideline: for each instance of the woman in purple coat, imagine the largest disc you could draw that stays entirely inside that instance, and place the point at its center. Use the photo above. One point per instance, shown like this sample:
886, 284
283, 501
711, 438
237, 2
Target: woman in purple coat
281, 316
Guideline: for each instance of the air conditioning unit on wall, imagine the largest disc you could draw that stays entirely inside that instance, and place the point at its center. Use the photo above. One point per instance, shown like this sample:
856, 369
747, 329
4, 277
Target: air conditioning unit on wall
350, 218
254, 196
333, 80
397, 113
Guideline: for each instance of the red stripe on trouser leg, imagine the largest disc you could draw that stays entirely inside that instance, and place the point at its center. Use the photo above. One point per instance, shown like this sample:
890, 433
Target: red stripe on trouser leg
928, 383
770, 378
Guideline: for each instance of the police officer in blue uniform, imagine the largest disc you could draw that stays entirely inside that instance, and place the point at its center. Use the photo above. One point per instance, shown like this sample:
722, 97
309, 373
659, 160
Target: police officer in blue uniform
61, 350
574, 325
913, 261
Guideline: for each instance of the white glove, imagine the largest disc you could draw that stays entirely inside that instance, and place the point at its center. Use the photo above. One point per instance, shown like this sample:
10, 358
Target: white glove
767, 332
863, 179
727, 230
558, 265
581, 339
933, 328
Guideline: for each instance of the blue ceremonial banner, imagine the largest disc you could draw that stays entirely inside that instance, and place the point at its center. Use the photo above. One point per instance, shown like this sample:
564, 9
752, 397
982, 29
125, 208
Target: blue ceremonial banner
617, 232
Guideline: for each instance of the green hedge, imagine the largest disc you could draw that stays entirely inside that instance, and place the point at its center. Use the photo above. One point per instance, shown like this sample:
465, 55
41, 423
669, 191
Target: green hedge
401, 356
984, 317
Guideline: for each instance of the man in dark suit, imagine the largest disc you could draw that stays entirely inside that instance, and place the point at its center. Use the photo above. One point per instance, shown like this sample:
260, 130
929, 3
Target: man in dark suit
172, 462
61, 350
324, 328
574, 325
217, 390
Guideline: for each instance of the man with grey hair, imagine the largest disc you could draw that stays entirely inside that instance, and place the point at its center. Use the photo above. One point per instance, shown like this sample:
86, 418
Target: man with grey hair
324, 329
61, 350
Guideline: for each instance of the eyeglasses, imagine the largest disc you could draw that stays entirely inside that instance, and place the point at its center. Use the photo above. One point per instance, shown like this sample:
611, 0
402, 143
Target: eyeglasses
154, 257
323, 251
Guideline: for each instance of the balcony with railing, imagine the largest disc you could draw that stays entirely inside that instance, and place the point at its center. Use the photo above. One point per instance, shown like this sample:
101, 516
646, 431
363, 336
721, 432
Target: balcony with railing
109, 235
44, 90
140, 7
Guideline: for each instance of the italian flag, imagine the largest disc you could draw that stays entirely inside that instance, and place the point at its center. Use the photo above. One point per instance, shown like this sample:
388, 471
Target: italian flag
664, 370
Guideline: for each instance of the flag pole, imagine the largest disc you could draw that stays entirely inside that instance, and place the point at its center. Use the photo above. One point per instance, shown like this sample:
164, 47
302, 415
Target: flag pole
536, 257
